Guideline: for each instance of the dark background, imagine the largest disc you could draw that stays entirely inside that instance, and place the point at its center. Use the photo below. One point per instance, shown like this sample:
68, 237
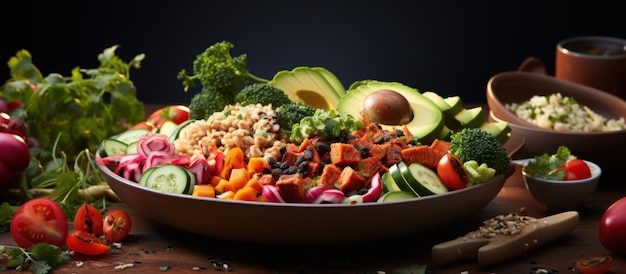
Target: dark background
451, 47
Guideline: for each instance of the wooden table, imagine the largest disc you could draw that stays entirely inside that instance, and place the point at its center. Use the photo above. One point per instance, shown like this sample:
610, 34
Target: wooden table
152, 246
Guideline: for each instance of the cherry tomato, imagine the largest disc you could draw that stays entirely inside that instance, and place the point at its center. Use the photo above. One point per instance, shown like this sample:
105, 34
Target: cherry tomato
576, 169
117, 225
451, 172
594, 265
88, 219
39, 220
175, 113
612, 227
85, 243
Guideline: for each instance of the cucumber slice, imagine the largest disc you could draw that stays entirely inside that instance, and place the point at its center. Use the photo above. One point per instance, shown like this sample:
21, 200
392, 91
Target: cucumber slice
396, 174
167, 128
109, 147
144, 176
170, 178
131, 148
176, 132
389, 185
131, 135
396, 196
422, 179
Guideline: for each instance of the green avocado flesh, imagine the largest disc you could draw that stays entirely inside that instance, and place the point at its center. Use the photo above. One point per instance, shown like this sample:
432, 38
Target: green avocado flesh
314, 86
427, 120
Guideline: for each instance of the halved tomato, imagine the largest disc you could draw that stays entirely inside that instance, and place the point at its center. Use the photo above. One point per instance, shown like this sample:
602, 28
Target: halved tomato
117, 225
39, 220
595, 265
85, 243
175, 113
88, 219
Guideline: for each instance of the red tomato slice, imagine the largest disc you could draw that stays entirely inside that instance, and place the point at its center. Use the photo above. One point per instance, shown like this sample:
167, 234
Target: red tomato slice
39, 220
176, 113
594, 265
85, 243
88, 219
576, 169
143, 125
117, 225
450, 171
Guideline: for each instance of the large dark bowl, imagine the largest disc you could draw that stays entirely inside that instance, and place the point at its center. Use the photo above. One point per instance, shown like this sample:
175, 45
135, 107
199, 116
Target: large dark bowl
516, 87
290, 223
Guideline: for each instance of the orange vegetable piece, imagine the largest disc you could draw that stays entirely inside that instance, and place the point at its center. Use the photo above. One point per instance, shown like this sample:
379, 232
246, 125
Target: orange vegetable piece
234, 159
254, 183
204, 191
246, 194
237, 179
221, 185
257, 165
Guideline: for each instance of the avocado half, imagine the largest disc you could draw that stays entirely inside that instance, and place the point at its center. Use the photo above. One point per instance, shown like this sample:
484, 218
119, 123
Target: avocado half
427, 121
314, 86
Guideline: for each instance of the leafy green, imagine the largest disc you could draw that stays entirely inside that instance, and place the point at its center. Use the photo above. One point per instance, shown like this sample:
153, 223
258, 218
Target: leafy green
40, 258
549, 166
6, 214
325, 124
81, 110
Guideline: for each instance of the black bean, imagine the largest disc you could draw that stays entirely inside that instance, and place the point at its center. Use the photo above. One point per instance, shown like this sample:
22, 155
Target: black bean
322, 147
290, 170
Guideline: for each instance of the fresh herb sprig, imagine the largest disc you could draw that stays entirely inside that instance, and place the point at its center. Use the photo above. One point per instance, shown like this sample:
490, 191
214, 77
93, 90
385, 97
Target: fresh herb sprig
40, 258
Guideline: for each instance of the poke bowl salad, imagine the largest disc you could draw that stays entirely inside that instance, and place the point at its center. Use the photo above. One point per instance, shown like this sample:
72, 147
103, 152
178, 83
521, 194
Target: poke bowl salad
303, 138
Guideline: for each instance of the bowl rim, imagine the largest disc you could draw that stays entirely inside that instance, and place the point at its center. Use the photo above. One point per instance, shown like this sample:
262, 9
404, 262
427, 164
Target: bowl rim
515, 121
596, 172
497, 179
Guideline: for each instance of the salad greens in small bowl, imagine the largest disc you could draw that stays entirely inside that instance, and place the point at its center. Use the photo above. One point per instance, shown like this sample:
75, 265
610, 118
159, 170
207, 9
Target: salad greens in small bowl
560, 181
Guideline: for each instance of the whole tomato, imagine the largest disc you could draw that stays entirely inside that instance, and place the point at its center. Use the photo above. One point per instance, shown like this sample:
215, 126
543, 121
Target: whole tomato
117, 225
174, 113
450, 171
612, 230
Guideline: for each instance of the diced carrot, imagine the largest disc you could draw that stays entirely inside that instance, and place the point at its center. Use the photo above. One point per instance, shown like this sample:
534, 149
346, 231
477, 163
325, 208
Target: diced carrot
254, 183
238, 178
204, 191
440, 147
234, 159
246, 193
257, 165
215, 180
221, 185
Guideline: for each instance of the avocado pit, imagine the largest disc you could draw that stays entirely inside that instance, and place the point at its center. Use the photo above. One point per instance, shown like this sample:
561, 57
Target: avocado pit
386, 107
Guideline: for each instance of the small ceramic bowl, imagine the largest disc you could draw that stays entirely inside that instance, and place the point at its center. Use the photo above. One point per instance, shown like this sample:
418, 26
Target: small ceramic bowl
562, 195
516, 87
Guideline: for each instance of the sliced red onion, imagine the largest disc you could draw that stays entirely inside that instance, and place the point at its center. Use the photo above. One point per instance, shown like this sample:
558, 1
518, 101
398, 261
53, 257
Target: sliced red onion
375, 190
154, 142
319, 195
270, 192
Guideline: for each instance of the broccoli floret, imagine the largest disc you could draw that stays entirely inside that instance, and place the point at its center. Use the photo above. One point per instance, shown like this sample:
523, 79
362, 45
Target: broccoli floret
480, 146
205, 103
217, 70
289, 114
325, 124
261, 93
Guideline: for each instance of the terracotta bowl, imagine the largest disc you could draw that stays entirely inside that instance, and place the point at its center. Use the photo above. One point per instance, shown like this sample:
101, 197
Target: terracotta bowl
516, 87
